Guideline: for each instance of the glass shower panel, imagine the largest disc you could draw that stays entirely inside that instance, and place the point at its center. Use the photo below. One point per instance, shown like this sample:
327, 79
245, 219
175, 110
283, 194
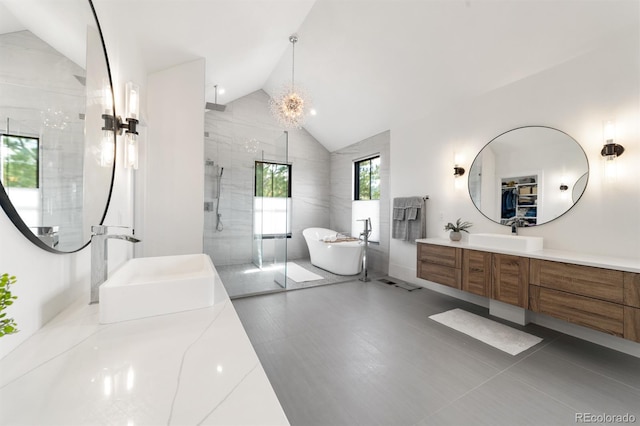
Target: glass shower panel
282, 217
271, 204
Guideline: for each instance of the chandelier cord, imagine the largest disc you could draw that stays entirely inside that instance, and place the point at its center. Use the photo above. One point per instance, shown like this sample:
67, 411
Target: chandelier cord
293, 63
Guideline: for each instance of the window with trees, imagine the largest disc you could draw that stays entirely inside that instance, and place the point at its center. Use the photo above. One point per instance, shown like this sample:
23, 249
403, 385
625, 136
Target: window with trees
367, 179
273, 180
19, 161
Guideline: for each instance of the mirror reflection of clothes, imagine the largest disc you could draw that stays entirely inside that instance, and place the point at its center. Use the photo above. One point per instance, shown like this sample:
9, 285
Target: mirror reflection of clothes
509, 200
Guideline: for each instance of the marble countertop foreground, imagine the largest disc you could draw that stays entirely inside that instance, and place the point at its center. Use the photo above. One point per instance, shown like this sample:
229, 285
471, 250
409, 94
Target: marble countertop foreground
606, 262
190, 368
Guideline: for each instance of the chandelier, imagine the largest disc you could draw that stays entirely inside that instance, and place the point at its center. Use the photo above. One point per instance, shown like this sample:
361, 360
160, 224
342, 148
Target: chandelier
291, 103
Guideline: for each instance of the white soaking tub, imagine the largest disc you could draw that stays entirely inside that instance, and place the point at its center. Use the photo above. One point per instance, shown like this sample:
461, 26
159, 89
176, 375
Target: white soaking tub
150, 286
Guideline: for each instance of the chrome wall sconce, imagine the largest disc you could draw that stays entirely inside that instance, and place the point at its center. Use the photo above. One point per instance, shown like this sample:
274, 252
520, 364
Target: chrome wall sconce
458, 171
129, 125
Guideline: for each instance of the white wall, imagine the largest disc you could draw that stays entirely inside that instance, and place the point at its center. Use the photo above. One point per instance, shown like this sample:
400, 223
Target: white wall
342, 172
575, 97
172, 209
59, 279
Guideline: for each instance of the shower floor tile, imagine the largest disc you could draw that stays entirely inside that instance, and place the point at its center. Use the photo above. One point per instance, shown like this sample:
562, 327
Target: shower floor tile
248, 280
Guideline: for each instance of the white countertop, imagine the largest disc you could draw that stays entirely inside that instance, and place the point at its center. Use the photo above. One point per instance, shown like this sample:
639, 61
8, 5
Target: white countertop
617, 263
194, 367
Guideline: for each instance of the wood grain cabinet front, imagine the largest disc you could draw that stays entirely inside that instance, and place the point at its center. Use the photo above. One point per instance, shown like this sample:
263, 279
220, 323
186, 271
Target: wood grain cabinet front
440, 264
598, 283
476, 272
586, 311
510, 276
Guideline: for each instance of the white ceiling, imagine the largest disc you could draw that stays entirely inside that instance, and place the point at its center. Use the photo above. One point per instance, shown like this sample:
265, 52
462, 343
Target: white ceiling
367, 64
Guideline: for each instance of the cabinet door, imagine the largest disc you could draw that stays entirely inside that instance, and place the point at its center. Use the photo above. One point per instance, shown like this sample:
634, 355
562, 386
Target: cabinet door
476, 272
441, 255
510, 276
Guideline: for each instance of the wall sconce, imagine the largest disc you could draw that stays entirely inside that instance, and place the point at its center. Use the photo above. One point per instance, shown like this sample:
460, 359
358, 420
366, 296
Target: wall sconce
458, 171
130, 124
611, 150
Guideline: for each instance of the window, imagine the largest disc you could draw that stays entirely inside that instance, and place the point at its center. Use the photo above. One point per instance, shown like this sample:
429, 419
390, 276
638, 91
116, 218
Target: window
19, 157
272, 200
273, 179
367, 179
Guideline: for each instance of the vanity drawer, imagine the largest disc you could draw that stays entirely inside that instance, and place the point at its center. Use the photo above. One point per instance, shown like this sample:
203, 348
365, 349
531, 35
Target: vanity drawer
632, 289
632, 323
603, 284
442, 255
586, 311
445, 275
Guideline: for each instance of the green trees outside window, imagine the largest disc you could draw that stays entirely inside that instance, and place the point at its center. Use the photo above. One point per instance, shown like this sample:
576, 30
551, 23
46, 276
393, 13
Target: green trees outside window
20, 157
273, 180
367, 179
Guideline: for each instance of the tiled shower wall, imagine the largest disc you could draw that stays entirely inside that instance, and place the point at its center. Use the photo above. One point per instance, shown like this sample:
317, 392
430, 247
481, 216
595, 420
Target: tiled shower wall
33, 66
342, 193
234, 140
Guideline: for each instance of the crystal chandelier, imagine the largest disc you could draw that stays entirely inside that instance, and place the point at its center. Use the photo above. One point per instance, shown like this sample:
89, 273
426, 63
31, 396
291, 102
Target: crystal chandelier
291, 104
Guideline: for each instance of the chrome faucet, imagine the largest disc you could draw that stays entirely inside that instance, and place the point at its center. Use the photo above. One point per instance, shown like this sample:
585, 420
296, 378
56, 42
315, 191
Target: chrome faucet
99, 257
515, 224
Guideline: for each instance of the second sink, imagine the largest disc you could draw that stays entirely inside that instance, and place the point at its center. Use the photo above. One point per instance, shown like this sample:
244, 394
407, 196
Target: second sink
506, 242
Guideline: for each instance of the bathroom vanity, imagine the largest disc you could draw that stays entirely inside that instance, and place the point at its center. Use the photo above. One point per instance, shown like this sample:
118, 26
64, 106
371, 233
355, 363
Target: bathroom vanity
591, 291
191, 367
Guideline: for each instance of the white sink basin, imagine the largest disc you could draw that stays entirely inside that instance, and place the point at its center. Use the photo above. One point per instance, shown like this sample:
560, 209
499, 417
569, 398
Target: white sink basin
150, 286
506, 242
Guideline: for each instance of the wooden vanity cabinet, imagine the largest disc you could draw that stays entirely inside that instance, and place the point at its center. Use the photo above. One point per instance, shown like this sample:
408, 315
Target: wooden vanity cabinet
476, 272
510, 279
607, 300
440, 264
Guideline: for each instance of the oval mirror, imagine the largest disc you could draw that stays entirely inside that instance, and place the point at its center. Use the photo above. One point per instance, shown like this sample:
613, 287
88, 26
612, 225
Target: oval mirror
530, 175
56, 166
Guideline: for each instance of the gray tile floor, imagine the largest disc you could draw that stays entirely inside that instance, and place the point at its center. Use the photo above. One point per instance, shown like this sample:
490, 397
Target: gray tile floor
247, 279
367, 354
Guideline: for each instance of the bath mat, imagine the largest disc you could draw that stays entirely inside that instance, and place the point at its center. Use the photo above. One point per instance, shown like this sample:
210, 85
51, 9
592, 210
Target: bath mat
299, 274
493, 333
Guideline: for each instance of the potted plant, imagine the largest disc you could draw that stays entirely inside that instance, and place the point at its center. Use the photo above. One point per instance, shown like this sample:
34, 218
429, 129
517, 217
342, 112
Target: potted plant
459, 226
7, 325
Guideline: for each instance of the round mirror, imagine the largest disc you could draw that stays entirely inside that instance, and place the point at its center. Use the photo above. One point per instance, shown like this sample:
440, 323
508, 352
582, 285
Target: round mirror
56, 165
529, 175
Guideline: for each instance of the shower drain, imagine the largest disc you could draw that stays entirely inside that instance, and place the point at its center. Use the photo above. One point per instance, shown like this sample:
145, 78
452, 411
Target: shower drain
403, 285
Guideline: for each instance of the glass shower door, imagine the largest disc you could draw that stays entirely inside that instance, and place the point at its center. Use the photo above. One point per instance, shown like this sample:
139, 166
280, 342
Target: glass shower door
272, 203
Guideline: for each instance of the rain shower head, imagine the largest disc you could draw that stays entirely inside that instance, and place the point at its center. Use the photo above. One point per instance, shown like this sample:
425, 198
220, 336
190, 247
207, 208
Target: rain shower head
210, 106
215, 106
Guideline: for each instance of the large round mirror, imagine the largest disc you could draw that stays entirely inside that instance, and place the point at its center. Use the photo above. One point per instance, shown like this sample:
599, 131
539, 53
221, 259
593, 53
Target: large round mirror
56, 165
528, 176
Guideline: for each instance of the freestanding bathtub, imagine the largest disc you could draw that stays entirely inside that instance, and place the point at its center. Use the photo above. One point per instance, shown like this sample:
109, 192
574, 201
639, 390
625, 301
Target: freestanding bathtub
338, 257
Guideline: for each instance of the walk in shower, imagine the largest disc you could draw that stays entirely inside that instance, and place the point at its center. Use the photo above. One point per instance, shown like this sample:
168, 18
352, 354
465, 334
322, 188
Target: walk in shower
247, 205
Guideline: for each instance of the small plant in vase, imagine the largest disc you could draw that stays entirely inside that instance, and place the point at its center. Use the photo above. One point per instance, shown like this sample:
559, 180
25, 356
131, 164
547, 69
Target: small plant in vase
456, 228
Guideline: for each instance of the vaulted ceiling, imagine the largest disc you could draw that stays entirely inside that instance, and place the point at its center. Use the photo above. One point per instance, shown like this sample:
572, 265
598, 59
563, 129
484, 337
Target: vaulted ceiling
368, 64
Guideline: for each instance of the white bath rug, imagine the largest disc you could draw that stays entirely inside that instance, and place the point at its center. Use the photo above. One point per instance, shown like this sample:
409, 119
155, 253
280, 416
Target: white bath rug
298, 274
493, 333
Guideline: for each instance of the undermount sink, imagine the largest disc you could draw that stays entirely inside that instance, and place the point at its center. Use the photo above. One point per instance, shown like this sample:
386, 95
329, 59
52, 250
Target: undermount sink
506, 242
